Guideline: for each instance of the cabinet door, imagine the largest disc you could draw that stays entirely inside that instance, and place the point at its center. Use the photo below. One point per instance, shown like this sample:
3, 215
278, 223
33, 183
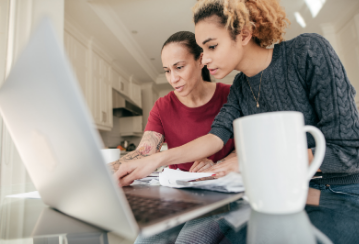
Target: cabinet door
105, 94
106, 104
136, 94
137, 124
96, 89
124, 86
94, 76
119, 83
77, 54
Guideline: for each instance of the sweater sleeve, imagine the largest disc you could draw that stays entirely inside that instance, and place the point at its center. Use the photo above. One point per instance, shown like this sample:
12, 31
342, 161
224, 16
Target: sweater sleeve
332, 96
222, 125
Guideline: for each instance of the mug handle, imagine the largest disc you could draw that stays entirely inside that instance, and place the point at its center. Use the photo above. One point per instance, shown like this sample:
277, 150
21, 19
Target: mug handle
320, 146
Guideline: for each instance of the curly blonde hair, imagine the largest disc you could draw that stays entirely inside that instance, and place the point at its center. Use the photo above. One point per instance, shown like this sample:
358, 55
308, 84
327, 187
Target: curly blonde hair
265, 18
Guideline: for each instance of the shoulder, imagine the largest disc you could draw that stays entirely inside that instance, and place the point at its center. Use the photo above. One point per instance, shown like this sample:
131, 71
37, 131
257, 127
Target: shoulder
238, 80
309, 37
163, 102
307, 41
236, 87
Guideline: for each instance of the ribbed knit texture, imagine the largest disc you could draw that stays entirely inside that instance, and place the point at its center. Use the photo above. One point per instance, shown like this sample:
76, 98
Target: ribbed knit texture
305, 75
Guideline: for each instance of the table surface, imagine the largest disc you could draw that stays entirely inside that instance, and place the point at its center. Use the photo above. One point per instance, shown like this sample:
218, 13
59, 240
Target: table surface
28, 221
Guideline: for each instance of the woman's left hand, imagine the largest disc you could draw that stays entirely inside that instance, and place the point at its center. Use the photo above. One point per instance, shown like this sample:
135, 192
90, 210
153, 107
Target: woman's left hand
201, 165
223, 168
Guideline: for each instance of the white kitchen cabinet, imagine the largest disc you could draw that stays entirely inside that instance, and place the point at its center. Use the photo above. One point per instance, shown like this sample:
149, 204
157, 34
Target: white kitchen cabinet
135, 94
101, 92
131, 126
127, 88
94, 76
119, 83
97, 77
95, 88
78, 55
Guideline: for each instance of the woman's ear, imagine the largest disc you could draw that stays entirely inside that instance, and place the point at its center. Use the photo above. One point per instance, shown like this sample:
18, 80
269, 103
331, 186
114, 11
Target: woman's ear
246, 36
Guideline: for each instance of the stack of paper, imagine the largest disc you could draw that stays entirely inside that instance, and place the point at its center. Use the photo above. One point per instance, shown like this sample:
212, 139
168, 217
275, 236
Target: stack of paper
180, 179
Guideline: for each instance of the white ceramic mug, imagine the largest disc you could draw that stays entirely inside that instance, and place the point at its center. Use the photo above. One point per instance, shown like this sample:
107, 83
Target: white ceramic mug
110, 154
273, 159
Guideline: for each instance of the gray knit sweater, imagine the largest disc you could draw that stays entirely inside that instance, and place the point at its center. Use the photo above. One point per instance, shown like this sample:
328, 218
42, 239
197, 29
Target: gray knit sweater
305, 75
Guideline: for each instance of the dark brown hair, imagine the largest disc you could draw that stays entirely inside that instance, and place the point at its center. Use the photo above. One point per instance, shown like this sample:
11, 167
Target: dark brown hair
188, 39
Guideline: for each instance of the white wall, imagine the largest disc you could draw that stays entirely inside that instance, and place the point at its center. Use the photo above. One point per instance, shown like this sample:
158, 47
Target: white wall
345, 41
348, 39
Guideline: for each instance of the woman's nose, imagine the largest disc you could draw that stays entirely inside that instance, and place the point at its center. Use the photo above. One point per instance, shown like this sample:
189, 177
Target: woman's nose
206, 59
174, 77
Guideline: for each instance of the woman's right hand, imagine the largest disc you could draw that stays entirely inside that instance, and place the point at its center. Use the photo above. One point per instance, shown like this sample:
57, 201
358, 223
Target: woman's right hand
134, 170
199, 148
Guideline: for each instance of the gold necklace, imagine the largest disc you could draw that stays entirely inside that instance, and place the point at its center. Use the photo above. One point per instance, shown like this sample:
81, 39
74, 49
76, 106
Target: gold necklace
260, 82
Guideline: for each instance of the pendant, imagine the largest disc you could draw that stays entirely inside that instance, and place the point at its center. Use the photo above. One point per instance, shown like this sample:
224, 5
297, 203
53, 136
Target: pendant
257, 105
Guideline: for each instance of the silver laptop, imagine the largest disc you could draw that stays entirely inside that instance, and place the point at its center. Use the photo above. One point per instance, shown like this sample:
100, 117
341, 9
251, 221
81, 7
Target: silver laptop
45, 113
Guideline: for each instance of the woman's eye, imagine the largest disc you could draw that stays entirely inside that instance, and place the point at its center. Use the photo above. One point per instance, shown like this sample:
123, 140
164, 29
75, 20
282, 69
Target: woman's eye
180, 67
167, 71
213, 47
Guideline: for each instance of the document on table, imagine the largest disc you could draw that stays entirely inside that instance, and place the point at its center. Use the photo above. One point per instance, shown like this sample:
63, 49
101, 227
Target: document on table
232, 182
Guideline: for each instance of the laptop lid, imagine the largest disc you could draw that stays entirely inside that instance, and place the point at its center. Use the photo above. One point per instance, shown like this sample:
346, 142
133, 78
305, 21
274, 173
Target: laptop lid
43, 108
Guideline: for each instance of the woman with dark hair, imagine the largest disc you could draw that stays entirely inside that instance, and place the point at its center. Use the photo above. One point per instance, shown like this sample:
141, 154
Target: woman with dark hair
187, 112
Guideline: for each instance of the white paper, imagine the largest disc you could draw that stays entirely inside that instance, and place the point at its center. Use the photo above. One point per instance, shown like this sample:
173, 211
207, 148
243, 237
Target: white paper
174, 175
232, 182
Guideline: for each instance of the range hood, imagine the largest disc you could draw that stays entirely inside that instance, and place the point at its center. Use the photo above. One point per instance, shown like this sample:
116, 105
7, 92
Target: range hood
123, 106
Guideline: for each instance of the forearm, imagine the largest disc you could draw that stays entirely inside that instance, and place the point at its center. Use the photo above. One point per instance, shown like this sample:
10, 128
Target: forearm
128, 157
132, 155
202, 147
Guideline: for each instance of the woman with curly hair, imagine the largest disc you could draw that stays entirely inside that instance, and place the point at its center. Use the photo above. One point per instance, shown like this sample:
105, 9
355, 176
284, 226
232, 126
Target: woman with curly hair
303, 74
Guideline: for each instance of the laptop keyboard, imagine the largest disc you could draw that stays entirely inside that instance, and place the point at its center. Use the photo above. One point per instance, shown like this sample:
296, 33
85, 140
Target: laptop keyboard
146, 210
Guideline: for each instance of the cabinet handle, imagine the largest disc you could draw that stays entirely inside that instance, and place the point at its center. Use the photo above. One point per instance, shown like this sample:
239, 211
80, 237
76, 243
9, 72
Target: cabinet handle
104, 118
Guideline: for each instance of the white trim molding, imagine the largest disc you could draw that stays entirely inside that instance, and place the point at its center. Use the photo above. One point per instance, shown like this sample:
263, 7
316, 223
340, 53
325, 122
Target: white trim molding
115, 25
161, 79
72, 28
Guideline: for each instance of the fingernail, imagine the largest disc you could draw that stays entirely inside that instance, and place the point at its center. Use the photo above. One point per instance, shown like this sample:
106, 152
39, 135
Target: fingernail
214, 175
